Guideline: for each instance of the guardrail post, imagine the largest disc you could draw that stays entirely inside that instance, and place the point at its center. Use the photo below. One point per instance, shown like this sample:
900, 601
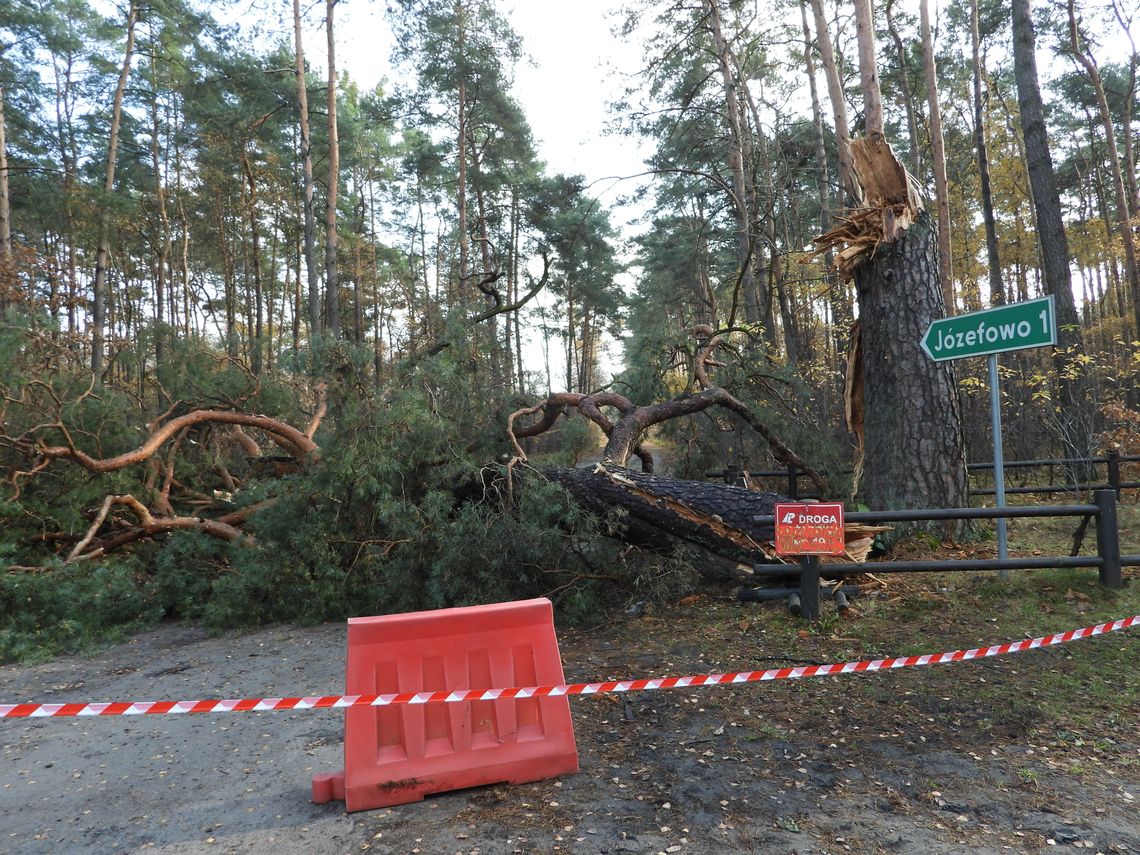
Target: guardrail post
793, 482
1108, 539
809, 586
1114, 471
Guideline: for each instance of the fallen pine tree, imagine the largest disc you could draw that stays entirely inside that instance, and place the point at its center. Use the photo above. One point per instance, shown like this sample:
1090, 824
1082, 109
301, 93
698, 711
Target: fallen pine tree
716, 517
656, 509
174, 492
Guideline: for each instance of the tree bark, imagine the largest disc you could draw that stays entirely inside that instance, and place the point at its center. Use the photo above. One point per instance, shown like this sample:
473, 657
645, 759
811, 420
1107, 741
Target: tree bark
5, 206
938, 152
912, 423
907, 96
847, 183
310, 253
745, 242
5, 218
257, 344
332, 286
715, 516
461, 154
838, 296
1074, 427
69, 158
997, 287
162, 255
1126, 115
868, 68
1123, 214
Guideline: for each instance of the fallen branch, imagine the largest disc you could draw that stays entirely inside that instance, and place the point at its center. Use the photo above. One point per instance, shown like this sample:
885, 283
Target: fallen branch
321, 410
149, 525
624, 437
288, 437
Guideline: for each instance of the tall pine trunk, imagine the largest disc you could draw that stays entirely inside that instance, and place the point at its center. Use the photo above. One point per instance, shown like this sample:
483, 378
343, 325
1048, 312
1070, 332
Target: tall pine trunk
1073, 423
163, 244
837, 295
103, 254
309, 246
912, 425
745, 242
69, 158
461, 154
332, 286
997, 287
5, 218
257, 344
847, 183
1123, 214
906, 94
941, 192
913, 447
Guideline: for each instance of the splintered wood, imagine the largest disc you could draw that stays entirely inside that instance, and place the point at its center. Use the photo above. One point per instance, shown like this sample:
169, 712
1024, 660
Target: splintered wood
858, 540
853, 403
891, 203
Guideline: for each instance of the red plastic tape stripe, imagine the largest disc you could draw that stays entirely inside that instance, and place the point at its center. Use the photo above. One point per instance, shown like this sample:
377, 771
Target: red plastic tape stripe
461, 695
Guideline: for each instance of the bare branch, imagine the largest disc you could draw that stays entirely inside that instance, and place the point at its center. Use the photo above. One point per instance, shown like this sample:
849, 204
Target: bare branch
319, 413
149, 525
625, 435
288, 437
95, 526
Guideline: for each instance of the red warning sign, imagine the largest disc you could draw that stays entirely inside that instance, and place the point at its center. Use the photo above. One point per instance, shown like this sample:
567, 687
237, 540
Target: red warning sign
815, 529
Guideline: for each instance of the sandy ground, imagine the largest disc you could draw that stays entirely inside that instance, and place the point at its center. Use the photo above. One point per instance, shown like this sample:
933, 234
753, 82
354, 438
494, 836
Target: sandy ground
912, 761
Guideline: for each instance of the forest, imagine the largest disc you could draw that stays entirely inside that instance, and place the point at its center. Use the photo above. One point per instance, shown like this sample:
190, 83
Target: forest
276, 347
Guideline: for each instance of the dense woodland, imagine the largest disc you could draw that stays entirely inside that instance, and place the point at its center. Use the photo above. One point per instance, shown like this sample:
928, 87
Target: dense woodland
270, 340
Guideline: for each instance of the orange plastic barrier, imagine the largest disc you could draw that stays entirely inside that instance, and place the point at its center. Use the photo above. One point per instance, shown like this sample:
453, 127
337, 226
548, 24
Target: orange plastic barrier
399, 754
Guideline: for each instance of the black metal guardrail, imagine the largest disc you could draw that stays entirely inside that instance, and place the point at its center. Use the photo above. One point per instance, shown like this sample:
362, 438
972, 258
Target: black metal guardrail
1108, 559
1112, 460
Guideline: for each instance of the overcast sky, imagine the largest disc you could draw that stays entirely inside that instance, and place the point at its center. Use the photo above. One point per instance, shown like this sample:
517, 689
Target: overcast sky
564, 90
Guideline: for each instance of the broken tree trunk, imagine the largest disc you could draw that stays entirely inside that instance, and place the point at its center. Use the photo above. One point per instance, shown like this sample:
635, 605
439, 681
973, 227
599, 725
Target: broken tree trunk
911, 449
657, 510
716, 517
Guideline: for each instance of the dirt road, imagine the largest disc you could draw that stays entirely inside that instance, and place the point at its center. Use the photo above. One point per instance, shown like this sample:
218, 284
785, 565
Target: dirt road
941, 760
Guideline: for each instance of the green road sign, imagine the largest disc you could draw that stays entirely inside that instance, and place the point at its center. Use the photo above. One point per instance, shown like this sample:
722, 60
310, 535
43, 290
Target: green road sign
1014, 327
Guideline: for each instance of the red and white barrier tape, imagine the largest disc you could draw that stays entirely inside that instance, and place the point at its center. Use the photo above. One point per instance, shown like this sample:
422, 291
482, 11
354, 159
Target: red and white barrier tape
461, 695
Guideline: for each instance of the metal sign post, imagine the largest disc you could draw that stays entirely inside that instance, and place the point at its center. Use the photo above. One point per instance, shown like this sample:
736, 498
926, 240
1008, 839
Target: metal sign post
989, 332
999, 463
809, 531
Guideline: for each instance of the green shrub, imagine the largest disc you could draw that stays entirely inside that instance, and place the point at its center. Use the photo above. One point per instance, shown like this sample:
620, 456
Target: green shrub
72, 608
184, 572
